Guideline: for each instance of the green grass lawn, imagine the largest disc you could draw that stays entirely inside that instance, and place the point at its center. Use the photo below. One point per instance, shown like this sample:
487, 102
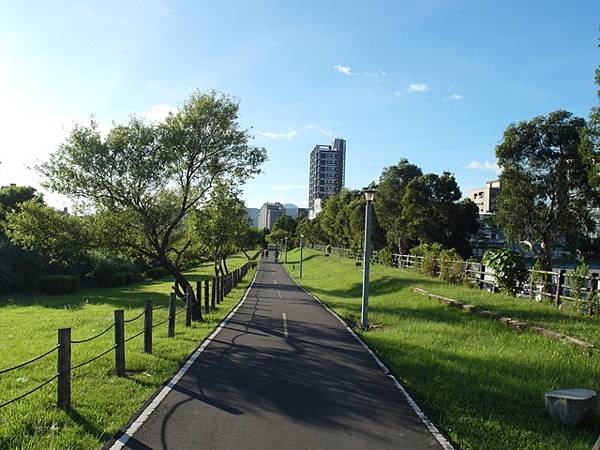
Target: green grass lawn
480, 381
102, 402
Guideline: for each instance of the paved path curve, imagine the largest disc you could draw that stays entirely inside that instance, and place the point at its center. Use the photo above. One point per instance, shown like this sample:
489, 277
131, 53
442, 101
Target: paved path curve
283, 373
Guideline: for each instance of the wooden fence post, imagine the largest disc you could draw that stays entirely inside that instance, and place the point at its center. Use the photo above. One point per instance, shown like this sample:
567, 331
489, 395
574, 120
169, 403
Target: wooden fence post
593, 291
64, 368
213, 294
559, 285
481, 276
221, 288
148, 327
188, 306
172, 304
120, 342
206, 300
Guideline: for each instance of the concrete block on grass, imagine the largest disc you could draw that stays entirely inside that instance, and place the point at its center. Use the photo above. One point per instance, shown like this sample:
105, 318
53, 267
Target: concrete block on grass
572, 406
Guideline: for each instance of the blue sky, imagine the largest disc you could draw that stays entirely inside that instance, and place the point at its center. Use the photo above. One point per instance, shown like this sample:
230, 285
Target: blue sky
432, 81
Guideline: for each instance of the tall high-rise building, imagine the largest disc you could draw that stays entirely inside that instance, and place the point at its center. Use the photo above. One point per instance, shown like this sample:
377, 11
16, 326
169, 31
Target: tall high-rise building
269, 213
327, 171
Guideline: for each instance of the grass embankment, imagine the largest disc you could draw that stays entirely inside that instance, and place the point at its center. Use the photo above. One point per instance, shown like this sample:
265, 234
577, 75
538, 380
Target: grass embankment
102, 402
481, 382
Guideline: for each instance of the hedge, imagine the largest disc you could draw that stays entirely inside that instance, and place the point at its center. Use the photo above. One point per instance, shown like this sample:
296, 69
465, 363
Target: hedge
58, 284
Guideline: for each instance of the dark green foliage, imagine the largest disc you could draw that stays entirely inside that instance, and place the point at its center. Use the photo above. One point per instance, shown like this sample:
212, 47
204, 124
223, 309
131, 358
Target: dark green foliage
58, 284
546, 194
509, 268
123, 278
155, 273
104, 268
19, 268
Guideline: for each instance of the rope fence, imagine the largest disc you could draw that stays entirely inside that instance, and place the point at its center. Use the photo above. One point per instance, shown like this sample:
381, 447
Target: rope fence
215, 290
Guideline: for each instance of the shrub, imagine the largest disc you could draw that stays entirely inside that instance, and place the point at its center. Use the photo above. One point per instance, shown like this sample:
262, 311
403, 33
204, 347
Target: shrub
577, 280
385, 257
58, 284
105, 267
155, 273
430, 265
509, 268
123, 278
451, 266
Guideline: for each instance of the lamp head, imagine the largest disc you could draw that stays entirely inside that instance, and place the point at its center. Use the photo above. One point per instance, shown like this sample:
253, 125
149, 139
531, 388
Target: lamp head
369, 194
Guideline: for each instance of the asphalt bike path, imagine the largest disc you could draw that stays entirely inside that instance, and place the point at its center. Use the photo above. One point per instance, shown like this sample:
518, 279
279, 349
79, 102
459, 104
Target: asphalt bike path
283, 373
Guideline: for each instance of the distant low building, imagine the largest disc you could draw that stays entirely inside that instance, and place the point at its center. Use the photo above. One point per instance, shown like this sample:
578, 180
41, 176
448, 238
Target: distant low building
486, 198
269, 213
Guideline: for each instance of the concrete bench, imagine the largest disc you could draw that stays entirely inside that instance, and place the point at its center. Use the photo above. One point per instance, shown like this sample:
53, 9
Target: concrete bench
572, 406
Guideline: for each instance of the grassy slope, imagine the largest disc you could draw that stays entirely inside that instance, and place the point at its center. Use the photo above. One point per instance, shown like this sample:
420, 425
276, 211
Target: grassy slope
482, 382
102, 402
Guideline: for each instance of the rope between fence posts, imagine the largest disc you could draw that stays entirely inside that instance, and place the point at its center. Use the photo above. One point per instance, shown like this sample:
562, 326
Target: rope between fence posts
134, 336
159, 307
135, 318
81, 341
180, 311
161, 322
77, 366
29, 392
29, 362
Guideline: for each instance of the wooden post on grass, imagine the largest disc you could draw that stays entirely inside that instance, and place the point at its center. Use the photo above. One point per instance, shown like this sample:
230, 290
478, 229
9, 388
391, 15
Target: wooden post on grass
148, 327
188, 306
213, 294
172, 305
559, 285
120, 342
64, 368
206, 299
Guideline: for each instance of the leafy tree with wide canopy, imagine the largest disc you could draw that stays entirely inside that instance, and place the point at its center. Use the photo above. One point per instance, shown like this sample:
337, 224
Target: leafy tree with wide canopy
432, 212
143, 179
222, 226
546, 193
388, 205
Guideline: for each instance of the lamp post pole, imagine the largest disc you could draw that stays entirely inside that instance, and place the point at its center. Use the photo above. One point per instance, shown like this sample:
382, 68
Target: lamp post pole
364, 312
286, 250
301, 252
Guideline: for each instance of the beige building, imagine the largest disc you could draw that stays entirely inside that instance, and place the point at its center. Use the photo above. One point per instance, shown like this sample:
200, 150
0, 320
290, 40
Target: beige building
485, 198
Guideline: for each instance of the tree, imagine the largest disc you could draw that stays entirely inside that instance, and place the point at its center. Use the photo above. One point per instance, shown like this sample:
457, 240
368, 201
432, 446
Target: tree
546, 194
62, 238
590, 140
143, 179
433, 213
12, 195
388, 205
222, 226
285, 223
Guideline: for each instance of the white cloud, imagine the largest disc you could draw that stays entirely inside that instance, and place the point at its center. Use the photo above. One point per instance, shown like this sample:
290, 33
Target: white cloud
418, 87
158, 113
454, 97
326, 132
291, 134
288, 187
378, 73
486, 165
346, 70
397, 93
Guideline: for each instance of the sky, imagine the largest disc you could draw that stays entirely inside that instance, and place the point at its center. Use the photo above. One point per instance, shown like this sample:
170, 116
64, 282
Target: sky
435, 82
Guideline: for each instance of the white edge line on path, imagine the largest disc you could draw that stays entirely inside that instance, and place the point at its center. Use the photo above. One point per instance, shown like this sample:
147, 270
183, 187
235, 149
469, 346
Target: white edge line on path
143, 416
446, 445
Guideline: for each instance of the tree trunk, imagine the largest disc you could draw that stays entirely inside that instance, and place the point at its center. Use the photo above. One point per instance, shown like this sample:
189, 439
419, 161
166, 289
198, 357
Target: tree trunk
546, 253
225, 263
181, 284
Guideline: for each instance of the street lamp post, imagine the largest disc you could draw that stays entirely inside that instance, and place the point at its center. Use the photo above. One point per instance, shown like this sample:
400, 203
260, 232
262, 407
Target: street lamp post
286, 250
301, 252
364, 312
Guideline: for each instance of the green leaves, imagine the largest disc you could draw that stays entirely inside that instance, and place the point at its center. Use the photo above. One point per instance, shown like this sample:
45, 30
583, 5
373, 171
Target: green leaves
508, 266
